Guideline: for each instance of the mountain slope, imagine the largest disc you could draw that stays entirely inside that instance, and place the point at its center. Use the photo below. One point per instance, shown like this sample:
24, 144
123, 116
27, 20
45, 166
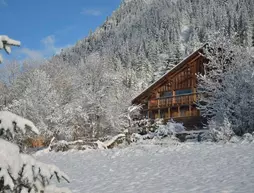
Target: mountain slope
150, 36
86, 89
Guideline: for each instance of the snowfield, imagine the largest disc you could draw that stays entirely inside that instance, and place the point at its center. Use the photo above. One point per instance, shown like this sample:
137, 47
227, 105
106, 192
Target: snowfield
187, 167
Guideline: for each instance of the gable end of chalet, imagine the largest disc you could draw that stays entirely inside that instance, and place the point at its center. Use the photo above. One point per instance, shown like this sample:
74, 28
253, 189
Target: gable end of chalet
174, 95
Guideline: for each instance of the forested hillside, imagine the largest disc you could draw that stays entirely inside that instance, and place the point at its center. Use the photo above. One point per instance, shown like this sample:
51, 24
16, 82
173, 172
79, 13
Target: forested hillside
86, 90
150, 36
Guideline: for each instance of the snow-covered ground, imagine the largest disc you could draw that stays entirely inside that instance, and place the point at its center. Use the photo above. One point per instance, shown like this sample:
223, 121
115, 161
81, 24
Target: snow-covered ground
189, 167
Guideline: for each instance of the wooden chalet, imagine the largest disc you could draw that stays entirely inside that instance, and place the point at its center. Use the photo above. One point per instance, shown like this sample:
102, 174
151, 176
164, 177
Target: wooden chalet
174, 95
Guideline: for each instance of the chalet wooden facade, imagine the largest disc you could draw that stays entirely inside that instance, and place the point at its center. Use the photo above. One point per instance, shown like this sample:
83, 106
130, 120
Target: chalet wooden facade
174, 95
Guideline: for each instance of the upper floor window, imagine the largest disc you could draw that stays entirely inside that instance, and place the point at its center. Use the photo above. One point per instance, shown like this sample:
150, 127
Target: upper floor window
182, 92
166, 94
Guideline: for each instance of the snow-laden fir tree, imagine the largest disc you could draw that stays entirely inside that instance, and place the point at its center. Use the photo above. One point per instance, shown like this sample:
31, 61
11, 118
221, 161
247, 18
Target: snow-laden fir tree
21, 173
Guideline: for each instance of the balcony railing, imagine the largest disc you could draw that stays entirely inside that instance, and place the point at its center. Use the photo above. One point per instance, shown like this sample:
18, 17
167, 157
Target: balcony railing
165, 102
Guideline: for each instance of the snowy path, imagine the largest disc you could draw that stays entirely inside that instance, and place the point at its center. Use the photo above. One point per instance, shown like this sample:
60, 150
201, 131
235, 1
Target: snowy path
153, 169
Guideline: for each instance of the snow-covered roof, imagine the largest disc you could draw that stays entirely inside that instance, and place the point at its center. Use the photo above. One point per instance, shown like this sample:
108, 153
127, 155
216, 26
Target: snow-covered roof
184, 61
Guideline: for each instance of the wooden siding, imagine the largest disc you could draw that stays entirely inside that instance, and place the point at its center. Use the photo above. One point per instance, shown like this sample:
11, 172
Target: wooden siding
187, 99
175, 94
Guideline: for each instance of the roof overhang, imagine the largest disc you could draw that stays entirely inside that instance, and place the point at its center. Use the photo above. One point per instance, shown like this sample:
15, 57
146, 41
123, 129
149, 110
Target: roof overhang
195, 54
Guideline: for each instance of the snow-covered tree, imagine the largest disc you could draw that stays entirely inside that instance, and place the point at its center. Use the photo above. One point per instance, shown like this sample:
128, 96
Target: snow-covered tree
141, 31
93, 82
21, 173
38, 100
228, 86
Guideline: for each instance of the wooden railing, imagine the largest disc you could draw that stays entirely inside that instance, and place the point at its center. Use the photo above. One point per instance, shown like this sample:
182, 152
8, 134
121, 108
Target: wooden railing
172, 101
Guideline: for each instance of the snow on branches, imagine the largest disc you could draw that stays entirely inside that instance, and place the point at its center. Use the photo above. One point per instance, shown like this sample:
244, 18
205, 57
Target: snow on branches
228, 87
11, 124
20, 172
6, 43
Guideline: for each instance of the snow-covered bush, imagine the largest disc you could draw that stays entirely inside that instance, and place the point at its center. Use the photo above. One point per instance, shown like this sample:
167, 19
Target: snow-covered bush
224, 133
19, 172
171, 128
247, 138
135, 137
235, 139
66, 146
145, 126
161, 131
220, 132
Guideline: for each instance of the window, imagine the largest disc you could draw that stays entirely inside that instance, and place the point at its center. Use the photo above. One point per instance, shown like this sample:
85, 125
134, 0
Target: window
182, 92
166, 94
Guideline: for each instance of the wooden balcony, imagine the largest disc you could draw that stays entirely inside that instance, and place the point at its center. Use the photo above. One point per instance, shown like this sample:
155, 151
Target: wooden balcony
181, 108
179, 100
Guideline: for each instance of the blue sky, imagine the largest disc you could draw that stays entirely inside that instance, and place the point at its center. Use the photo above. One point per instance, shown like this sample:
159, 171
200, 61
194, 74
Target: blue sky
46, 26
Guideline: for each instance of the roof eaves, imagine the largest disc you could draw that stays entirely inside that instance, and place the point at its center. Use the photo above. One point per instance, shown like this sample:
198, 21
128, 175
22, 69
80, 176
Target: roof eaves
166, 74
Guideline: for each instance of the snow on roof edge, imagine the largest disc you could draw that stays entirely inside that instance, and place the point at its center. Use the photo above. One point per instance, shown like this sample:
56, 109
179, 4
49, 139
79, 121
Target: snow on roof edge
163, 76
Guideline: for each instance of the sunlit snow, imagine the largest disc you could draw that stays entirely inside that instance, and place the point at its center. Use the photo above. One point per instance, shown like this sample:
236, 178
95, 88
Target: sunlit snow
181, 168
